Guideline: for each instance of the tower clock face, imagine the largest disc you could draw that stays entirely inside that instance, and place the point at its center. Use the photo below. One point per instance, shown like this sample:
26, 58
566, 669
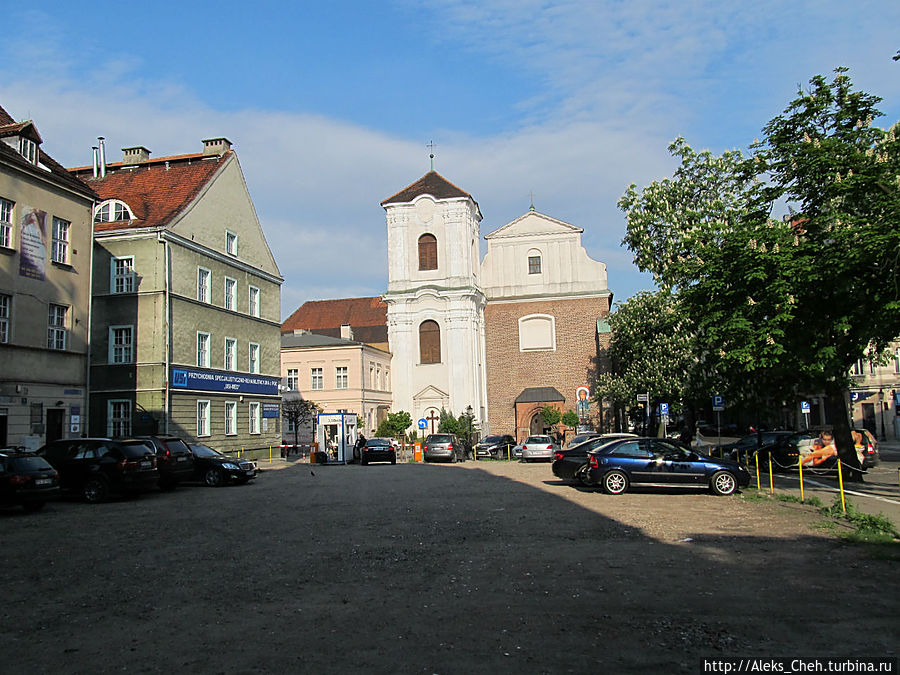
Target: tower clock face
425, 210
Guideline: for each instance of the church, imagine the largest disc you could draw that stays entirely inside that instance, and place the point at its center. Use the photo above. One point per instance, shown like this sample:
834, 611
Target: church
501, 337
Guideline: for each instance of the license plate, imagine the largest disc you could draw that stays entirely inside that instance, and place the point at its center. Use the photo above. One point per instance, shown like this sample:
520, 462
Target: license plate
43, 481
182, 458
146, 464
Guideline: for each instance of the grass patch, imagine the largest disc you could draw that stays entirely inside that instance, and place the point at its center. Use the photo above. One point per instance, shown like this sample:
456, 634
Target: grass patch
755, 496
876, 531
794, 499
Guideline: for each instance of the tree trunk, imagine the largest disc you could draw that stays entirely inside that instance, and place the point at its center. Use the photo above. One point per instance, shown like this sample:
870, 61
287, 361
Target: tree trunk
839, 415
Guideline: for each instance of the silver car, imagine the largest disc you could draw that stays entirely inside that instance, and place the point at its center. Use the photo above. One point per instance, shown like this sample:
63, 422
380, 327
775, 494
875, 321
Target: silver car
444, 448
538, 448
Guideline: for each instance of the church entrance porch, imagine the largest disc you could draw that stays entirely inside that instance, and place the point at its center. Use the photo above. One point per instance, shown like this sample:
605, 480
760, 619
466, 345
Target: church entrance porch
528, 407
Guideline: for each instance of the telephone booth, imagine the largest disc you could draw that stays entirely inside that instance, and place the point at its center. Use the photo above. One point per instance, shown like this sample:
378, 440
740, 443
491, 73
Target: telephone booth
336, 434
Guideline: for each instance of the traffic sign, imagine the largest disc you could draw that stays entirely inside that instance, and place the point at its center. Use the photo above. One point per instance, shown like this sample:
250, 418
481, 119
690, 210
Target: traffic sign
718, 403
643, 398
423, 423
804, 406
663, 408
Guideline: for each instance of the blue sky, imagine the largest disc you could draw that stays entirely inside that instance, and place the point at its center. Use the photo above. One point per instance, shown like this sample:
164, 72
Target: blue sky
330, 105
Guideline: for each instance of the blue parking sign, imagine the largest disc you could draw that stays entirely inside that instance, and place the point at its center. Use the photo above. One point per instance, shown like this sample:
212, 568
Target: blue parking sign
804, 406
718, 403
663, 408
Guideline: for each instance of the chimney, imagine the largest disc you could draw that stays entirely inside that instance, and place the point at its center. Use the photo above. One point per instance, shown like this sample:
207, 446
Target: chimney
102, 143
134, 155
216, 146
346, 332
96, 152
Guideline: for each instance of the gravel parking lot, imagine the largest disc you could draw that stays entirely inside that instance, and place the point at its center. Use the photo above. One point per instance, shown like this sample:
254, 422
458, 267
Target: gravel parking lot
473, 567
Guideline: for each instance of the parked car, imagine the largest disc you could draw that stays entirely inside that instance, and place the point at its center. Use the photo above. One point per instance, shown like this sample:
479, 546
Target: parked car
660, 462
444, 447
378, 450
747, 445
96, 467
496, 447
581, 438
174, 460
540, 447
216, 469
785, 450
571, 463
26, 480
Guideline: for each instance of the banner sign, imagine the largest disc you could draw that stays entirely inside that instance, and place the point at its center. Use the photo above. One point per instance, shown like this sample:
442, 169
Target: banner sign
271, 410
229, 383
33, 243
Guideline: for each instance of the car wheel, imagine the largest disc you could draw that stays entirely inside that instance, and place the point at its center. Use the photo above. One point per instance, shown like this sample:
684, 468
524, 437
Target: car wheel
615, 483
723, 483
582, 476
213, 477
33, 506
95, 490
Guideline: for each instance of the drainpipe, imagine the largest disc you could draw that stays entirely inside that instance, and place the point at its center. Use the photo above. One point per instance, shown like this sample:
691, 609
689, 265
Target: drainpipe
86, 415
167, 329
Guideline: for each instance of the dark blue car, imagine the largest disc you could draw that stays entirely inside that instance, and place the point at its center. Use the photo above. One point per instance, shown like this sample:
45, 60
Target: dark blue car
662, 463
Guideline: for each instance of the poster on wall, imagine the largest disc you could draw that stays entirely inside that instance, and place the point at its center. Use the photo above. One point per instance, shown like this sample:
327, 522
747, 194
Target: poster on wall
33, 254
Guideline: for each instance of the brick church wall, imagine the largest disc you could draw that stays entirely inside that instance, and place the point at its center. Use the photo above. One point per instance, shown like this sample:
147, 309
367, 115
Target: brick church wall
574, 363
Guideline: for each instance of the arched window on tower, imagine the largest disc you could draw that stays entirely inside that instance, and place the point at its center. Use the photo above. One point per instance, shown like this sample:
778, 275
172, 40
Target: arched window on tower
534, 261
428, 252
429, 342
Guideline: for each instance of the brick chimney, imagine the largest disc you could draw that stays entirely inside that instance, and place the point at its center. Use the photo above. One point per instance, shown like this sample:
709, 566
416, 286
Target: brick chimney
135, 155
216, 146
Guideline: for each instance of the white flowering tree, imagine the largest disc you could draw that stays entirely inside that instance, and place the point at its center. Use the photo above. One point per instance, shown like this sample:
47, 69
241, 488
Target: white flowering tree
787, 305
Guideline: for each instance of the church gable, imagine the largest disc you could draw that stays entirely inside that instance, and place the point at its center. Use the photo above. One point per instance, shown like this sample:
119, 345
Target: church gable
533, 224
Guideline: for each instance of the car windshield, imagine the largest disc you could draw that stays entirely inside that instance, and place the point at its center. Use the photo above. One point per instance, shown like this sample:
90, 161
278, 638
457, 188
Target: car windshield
28, 464
538, 439
204, 451
176, 445
377, 441
133, 450
492, 439
439, 438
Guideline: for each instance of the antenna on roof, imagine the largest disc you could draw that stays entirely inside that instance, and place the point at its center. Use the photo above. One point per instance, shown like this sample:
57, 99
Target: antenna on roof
431, 147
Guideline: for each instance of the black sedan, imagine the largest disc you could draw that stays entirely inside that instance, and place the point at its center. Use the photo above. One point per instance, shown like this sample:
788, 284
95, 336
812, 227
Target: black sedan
747, 445
26, 480
216, 469
378, 450
662, 463
571, 464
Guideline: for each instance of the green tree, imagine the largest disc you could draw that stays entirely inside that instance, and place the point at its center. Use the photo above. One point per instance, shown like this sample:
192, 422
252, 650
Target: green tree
398, 422
299, 412
570, 419
551, 415
448, 424
790, 304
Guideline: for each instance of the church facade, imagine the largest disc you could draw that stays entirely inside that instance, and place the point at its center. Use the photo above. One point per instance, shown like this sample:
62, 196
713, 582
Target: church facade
506, 336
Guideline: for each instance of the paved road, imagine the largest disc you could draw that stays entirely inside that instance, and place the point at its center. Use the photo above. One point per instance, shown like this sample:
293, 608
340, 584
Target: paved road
468, 568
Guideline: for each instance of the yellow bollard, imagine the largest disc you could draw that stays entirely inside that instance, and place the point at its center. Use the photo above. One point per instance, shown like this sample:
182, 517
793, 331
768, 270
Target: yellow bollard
270, 454
756, 459
841, 485
771, 477
800, 466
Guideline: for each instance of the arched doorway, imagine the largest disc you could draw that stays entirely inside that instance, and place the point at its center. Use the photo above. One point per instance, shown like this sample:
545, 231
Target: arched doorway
537, 424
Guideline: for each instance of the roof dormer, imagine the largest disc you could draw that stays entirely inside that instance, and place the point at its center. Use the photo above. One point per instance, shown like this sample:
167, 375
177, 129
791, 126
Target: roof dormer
111, 211
24, 138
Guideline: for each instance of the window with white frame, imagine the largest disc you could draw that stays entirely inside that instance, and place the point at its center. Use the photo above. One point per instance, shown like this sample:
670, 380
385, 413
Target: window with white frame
316, 380
57, 327
230, 354
203, 349
231, 294
372, 376
203, 418
28, 149
230, 418
254, 358
121, 275
387, 379
231, 243
112, 211
254, 301
118, 418
6, 223
203, 276
5, 312
537, 332
60, 251
254, 418
121, 344
858, 368
293, 379
340, 377
897, 360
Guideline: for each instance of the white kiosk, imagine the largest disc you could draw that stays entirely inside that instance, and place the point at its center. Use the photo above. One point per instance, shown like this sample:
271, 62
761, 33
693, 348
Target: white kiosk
336, 434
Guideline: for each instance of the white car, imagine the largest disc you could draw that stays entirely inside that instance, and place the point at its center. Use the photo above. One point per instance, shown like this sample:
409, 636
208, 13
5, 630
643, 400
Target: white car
538, 448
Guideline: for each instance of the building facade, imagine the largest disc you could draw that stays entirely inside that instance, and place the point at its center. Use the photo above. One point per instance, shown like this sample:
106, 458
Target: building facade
186, 302
339, 375
435, 305
45, 265
875, 395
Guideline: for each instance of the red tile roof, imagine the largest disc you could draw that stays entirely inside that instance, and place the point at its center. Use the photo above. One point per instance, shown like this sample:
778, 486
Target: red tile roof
317, 315
432, 183
156, 190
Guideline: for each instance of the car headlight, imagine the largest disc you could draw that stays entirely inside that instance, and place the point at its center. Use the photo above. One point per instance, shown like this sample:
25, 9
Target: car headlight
229, 465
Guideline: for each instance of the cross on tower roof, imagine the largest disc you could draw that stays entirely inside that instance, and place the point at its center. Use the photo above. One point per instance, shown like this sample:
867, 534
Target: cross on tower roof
431, 146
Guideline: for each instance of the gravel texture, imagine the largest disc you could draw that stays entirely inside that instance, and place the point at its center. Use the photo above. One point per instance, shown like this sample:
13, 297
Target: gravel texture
474, 567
